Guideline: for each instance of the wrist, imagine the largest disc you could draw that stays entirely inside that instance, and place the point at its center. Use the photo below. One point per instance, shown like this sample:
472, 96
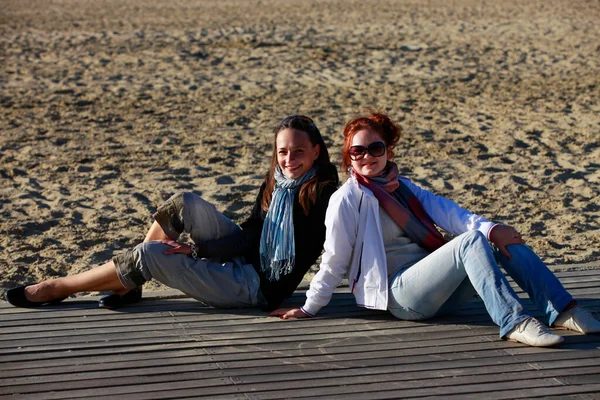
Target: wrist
489, 235
309, 315
194, 251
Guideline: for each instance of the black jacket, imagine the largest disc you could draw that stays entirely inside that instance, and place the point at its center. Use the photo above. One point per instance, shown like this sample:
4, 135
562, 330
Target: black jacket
309, 235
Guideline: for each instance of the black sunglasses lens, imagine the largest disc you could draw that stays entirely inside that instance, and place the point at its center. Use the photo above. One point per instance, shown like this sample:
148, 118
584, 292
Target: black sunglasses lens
357, 152
376, 149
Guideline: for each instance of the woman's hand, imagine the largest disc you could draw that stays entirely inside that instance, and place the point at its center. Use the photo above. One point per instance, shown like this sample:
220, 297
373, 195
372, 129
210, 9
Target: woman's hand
288, 313
503, 235
177, 248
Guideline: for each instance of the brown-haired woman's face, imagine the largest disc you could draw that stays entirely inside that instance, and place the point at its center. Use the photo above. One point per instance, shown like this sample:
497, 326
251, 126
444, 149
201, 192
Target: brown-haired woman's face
295, 152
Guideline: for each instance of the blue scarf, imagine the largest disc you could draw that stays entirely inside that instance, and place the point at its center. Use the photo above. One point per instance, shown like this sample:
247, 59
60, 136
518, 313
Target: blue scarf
277, 248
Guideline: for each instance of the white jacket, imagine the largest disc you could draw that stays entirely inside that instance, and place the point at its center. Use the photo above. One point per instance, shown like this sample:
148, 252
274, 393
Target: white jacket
354, 243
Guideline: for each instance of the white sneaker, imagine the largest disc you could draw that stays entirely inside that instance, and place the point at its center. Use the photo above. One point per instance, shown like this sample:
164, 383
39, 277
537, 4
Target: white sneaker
533, 333
577, 319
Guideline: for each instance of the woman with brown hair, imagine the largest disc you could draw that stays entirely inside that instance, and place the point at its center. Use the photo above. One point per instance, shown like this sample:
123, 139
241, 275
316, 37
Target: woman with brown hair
259, 263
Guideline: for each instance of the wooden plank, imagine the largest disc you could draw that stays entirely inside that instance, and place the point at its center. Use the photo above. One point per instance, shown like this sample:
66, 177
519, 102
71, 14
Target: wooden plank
266, 333
308, 333
396, 390
567, 392
388, 335
567, 281
324, 386
439, 350
578, 272
329, 354
261, 358
595, 359
476, 351
196, 322
364, 391
172, 348
98, 381
146, 313
410, 387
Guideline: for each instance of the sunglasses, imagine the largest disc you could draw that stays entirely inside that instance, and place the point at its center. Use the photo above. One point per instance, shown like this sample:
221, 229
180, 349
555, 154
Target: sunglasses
375, 149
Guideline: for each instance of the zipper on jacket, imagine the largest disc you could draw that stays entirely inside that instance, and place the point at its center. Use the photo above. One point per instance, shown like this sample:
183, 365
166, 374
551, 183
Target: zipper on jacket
362, 195
359, 268
362, 245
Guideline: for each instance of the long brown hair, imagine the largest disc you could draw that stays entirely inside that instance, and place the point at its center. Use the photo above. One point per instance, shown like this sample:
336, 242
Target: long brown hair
378, 121
325, 171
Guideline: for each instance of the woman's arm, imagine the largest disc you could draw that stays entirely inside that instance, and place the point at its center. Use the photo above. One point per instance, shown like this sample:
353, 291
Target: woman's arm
456, 220
447, 214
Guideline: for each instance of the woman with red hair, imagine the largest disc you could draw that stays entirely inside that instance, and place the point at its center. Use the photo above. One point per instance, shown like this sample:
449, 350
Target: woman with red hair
382, 236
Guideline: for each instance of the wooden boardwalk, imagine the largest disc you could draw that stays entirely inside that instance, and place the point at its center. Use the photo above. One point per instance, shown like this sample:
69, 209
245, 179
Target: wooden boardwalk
177, 348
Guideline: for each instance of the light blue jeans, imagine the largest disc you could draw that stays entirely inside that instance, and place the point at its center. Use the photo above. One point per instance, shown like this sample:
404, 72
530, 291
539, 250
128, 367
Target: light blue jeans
446, 279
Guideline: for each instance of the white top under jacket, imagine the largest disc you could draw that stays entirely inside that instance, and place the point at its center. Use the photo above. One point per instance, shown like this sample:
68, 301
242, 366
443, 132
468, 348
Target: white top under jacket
354, 243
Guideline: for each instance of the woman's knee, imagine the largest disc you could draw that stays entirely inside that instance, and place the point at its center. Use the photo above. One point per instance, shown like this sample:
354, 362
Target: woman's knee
474, 241
473, 236
188, 198
150, 252
169, 215
131, 266
475, 246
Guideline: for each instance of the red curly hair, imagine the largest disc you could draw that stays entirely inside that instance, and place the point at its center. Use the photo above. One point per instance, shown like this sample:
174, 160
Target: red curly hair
376, 120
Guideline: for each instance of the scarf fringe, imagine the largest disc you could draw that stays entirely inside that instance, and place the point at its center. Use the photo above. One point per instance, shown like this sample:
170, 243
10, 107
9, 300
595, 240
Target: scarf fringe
276, 268
277, 242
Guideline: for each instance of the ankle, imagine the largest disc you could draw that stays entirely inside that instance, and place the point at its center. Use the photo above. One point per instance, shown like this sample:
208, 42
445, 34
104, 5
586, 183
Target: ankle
44, 291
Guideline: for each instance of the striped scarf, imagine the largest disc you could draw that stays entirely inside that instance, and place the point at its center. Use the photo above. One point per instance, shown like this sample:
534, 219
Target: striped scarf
403, 207
277, 247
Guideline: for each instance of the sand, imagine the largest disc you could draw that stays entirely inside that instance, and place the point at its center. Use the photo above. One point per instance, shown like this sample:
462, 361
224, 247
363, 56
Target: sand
110, 106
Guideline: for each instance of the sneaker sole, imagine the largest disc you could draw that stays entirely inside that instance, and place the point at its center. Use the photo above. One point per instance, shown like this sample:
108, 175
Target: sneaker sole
535, 345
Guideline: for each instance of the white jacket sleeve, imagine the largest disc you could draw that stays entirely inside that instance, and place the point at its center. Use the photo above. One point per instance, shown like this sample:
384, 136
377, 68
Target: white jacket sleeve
447, 214
341, 222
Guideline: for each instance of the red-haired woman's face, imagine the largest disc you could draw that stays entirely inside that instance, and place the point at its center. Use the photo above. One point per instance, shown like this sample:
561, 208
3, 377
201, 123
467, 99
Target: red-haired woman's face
370, 165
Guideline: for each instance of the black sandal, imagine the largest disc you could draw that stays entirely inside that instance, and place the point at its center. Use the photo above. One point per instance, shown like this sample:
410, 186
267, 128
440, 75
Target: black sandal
114, 301
16, 297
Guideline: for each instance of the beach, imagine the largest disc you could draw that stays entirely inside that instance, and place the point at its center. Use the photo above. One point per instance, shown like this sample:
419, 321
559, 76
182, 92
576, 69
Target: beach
109, 107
